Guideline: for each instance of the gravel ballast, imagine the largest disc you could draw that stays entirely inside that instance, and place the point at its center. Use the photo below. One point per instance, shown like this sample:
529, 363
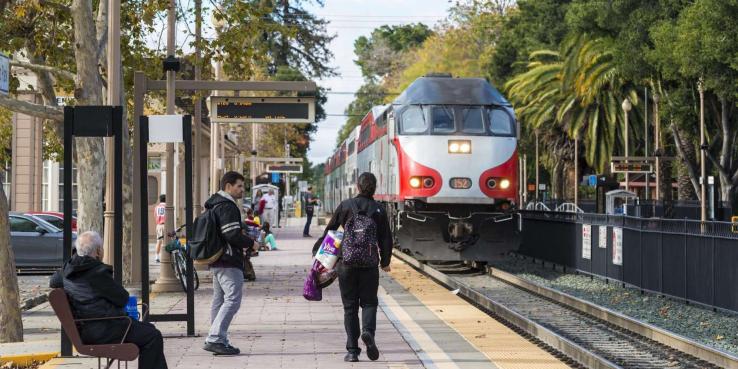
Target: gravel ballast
701, 324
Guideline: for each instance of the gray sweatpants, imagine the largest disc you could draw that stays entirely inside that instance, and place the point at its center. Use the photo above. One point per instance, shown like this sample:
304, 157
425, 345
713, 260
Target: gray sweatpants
227, 294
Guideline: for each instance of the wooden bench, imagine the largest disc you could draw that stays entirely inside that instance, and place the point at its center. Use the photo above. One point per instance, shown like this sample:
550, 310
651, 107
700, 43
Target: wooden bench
112, 352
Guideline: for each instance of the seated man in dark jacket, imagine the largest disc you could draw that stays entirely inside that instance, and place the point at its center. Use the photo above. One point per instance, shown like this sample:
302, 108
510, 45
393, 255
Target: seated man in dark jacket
93, 293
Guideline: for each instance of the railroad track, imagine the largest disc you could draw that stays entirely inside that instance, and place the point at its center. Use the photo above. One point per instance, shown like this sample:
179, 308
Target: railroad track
589, 335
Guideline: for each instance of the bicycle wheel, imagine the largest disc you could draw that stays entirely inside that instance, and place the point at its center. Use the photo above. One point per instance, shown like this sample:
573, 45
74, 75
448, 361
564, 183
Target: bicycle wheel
179, 269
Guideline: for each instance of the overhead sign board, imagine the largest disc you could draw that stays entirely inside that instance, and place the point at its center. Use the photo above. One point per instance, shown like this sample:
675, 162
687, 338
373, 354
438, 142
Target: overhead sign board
226, 109
631, 167
4, 74
284, 168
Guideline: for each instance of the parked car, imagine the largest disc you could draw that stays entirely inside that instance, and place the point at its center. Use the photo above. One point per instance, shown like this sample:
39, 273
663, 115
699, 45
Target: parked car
55, 218
36, 243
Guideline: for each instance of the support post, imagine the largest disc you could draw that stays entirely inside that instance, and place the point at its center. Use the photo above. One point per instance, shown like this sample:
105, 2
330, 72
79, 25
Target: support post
166, 281
626, 109
537, 171
703, 147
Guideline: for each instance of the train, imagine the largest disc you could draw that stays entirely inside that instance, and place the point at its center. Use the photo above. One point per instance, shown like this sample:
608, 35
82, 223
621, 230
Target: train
445, 154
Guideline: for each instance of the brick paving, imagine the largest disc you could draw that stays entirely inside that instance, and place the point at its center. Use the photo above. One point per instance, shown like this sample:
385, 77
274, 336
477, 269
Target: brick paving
276, 327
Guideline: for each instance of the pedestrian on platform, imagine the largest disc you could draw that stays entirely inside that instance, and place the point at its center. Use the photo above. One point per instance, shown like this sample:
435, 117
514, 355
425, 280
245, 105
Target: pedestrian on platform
259, 203
367, 244
269, 242
160, 215
310, 202
270, 208
228, 271
94, 294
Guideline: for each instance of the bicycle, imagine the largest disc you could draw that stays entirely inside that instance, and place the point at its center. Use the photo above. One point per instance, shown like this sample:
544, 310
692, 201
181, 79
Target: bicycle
180, 255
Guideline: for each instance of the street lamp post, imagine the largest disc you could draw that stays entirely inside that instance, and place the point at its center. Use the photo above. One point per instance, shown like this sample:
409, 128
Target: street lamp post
627, 106
537, 166
703, 147
166, 281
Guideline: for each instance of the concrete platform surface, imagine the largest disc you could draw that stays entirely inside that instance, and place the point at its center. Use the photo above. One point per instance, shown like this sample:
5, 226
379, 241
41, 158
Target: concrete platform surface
277, 328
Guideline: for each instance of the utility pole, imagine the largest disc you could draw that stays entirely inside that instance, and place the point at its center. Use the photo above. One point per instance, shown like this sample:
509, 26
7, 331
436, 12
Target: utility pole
113, 97
537, 166
525, 178
703, 147
576, 169
254, 152
166, 281
645, 138
197, 206
657, 144
626, 108
215, 127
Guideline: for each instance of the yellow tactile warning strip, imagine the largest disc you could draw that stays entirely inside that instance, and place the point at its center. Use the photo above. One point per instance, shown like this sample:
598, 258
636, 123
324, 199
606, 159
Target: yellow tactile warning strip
28, 359
502, 346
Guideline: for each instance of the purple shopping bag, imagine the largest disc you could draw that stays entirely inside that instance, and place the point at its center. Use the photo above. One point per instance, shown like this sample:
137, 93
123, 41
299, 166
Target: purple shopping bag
311, 291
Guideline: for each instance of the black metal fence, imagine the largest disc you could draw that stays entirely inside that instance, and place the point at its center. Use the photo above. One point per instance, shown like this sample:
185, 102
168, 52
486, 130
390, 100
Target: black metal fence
679, 209
683, 258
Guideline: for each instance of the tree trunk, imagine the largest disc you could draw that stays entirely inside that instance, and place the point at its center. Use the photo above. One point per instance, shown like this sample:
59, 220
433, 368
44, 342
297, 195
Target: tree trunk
11, 325
726, 182
687, 166
90, 151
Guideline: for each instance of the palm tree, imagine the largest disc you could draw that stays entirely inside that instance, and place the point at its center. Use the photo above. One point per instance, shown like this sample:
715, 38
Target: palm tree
579, 91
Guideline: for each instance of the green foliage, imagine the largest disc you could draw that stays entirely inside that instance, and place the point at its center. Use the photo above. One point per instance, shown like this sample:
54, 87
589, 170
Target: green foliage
369, 94
6, 135
379, 54
534, 25
579, 91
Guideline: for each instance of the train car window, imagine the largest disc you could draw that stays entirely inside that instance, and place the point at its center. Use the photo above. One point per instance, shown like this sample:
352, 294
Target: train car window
500, 122
443, 119
351, 147
413, 121
472, 120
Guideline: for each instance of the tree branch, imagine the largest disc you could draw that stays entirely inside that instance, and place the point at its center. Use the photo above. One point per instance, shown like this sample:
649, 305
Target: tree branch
55, 5
721, 170
44, 68
35, 110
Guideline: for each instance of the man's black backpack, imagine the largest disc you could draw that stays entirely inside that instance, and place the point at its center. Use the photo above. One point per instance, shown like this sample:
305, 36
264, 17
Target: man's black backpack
205, 245
359, 247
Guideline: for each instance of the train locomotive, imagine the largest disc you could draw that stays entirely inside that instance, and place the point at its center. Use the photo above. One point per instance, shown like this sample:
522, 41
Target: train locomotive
445, 156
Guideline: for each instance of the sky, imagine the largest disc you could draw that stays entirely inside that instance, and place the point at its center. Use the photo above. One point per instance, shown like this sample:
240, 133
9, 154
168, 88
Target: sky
350, 19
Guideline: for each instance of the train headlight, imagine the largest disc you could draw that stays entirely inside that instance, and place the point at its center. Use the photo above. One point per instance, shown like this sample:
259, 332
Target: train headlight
415, 182
504, 184
459, 147
428, 182
491, 183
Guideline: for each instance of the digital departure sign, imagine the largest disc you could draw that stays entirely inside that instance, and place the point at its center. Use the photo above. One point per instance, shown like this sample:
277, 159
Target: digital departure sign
262, 109
631, 168
284, 168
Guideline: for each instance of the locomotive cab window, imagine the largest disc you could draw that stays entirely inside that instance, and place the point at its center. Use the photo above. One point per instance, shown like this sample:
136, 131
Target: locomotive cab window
472, 120
500, 122
413, 121
443, 119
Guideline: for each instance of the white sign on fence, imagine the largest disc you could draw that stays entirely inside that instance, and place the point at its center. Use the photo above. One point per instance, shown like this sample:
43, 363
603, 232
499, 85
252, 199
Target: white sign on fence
586, 241
603, 237
4, 74
617, 245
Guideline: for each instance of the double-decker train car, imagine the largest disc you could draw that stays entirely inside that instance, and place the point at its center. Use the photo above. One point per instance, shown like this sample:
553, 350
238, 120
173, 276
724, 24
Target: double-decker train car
445, 157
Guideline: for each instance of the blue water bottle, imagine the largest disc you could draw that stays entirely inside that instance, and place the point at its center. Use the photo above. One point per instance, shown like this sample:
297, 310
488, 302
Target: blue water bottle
132, 308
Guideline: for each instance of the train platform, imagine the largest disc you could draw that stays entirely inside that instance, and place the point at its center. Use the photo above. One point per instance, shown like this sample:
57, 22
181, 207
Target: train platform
419, 324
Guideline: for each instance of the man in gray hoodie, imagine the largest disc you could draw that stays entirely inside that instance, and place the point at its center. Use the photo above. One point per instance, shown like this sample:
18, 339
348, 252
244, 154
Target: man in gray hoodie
228, 270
